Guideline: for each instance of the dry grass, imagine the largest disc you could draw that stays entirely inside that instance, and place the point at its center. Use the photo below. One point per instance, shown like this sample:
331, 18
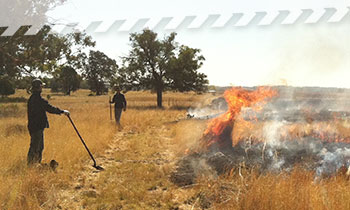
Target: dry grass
295, 190
139, 177
34, 188
25, 188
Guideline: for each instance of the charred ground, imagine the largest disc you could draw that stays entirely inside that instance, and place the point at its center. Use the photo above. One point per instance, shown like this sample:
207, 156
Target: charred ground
299, 127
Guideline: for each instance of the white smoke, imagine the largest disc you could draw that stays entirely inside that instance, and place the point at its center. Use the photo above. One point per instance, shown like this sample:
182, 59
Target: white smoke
203, 113
331, 156
331, 162
298, 128
272, 132
216, 107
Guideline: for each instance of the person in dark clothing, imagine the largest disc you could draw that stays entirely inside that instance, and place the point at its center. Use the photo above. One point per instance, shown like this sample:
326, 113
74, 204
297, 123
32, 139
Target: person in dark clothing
37, 121
119, 105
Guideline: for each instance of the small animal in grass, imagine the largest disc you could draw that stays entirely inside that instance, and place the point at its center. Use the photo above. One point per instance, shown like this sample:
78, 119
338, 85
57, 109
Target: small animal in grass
53, 165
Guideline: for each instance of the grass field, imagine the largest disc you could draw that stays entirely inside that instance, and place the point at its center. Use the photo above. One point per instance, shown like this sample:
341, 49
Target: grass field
138, 159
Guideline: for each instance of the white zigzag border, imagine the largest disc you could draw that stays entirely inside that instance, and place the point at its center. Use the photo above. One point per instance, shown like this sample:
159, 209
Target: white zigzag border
212, 21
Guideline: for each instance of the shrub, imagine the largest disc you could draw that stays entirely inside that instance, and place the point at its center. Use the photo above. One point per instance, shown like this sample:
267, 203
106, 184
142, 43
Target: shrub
11, 110
15, 129
6, 87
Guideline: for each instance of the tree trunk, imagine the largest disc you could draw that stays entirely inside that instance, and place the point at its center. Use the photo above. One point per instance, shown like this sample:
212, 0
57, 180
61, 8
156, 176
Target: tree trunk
159, 98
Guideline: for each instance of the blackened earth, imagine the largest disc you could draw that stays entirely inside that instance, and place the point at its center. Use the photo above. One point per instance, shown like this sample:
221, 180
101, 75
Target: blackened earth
324, 158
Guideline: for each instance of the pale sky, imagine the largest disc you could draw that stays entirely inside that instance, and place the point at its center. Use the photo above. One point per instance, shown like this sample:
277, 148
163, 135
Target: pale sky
298, 55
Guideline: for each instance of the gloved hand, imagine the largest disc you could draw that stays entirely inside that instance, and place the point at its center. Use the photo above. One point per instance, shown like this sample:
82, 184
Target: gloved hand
66, 112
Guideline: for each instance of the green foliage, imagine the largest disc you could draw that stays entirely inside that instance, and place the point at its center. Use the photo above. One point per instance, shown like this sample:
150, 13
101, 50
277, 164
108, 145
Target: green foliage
84, 84
99, 71
55, 85
22, 55
69, 80
26, 11
25, 55
6, 87
160, 65
183, 71
23, 82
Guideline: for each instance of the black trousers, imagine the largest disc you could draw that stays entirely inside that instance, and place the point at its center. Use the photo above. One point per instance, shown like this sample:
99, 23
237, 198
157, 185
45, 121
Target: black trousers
118, 114
36, 147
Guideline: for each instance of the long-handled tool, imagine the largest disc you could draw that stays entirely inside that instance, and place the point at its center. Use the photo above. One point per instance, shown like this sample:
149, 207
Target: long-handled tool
92, 157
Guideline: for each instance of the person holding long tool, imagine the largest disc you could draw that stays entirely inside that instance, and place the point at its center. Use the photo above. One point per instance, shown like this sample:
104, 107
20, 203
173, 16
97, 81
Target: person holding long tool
37, 121
119, 104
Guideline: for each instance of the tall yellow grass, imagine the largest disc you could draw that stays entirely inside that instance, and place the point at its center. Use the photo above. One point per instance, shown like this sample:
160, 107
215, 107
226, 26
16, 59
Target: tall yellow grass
25, 188
153, 141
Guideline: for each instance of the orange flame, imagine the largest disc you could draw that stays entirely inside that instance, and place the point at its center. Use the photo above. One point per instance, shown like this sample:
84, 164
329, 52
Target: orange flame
252, 131
237, 98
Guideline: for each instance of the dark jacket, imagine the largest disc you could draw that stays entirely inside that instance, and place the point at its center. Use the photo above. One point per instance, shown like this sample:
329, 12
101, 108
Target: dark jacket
119, 100
36, 110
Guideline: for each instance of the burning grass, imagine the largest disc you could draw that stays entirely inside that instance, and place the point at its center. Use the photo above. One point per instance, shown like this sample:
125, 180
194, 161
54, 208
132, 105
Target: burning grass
233, 143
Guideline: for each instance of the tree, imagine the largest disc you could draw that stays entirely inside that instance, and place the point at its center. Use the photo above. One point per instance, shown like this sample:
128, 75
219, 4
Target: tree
55, 85
183, 72
26, 12
66, 76
27, 56
23, 83
98, 71
17, 51
23, 56
155, 65
69, 79
6, 87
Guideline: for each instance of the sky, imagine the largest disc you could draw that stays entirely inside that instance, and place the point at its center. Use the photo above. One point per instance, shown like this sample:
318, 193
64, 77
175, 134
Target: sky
295, 54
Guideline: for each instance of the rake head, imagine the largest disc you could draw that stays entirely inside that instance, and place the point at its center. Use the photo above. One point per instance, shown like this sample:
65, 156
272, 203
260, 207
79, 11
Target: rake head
98, 167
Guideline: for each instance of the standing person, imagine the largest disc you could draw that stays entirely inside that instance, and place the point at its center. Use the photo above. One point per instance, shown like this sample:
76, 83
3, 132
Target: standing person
119, 104
37, 121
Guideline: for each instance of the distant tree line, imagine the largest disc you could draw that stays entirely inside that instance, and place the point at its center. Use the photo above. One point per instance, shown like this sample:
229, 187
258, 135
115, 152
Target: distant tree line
69, 62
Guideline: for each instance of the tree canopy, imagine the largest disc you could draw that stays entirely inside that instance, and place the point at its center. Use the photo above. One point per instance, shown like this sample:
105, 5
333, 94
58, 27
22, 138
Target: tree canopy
99, 70
22, 55
6, 88
183, 72
69, 79
45, 53
152, 63
26, 12
160, 65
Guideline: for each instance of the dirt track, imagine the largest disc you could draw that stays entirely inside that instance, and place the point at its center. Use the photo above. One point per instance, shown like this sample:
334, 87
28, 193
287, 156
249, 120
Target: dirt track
83, 185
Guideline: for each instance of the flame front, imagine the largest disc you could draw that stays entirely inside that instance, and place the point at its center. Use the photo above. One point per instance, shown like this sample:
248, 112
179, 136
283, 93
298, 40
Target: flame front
237, 98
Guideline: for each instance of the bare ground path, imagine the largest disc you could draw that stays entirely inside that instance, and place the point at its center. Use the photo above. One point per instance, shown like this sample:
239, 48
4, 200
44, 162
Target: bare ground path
84, 184
147, 158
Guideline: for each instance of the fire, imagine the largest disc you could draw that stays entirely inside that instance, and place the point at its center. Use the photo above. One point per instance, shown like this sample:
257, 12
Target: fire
240, 123
288, 132
237, 98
